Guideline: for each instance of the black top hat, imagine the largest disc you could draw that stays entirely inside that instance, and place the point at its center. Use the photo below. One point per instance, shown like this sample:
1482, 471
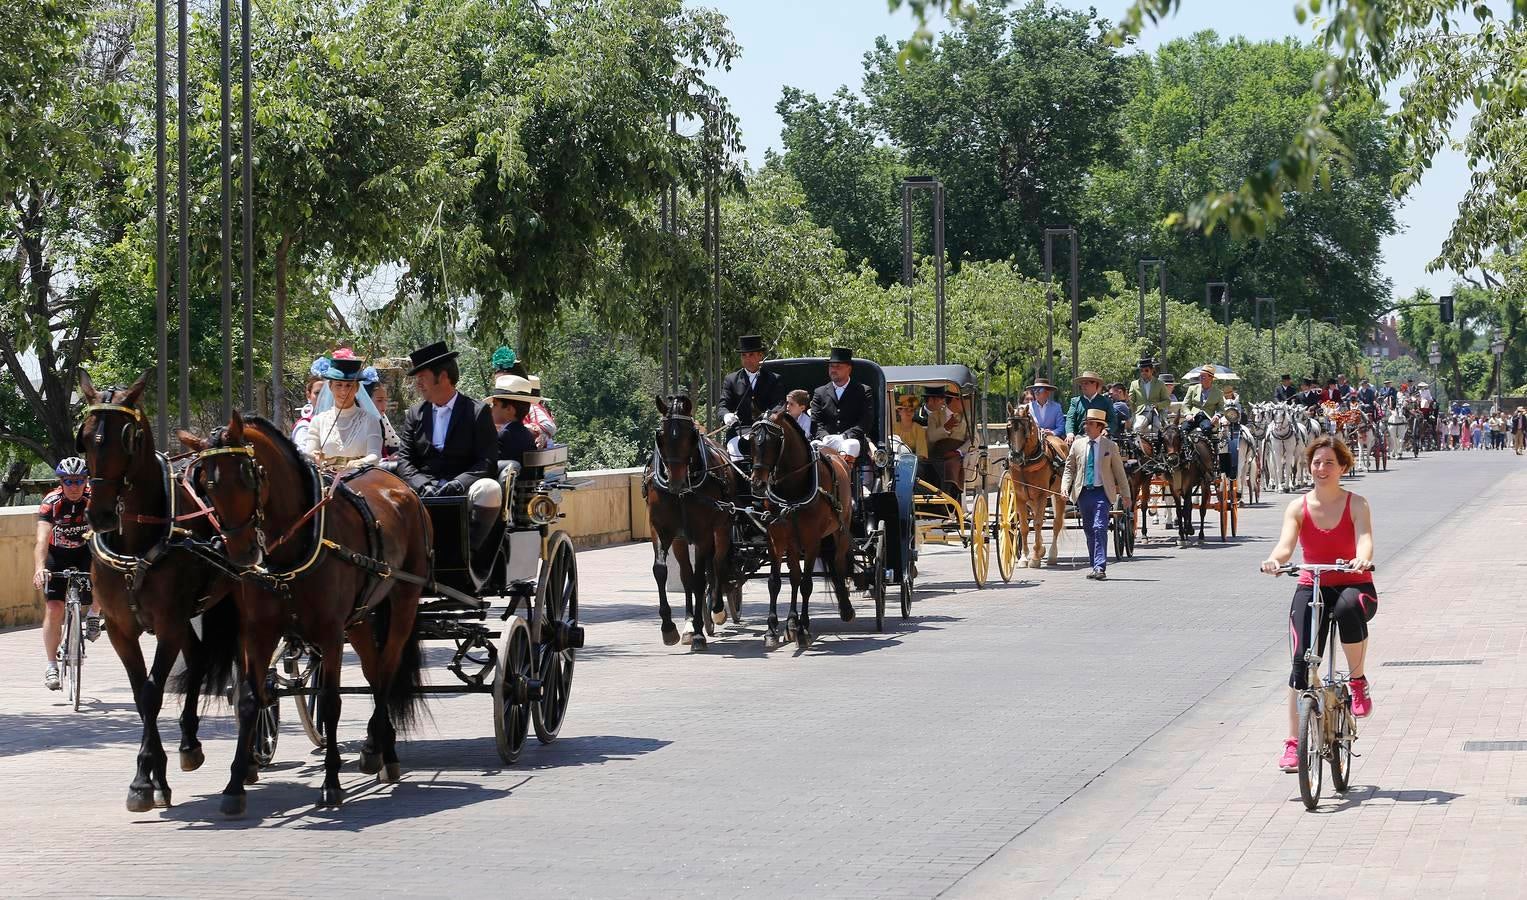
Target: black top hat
344, 370
1145, 361
840, 355
426, 356
937, 390
750, 343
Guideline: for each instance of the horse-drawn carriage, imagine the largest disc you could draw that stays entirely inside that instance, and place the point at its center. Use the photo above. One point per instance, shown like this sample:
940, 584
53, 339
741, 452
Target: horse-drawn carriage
951, 510
526, 663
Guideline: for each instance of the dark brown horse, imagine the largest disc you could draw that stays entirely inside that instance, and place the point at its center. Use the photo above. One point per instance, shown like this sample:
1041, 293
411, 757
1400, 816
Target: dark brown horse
1192, 467
807, 497
294, 535
1033, 469
689, 480
144, 581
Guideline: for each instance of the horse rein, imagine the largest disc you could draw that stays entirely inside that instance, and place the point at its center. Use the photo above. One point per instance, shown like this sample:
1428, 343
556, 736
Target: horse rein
660, 462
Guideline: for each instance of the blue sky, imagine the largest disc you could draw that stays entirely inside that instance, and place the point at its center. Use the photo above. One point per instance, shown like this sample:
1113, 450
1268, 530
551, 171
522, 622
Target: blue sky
818, 45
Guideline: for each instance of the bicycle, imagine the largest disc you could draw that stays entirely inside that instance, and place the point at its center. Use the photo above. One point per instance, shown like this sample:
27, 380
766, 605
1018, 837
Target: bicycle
1327, 728
71, 651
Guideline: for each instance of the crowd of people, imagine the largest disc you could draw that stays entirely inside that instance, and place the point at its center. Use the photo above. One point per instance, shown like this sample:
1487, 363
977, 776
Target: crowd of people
1463, 429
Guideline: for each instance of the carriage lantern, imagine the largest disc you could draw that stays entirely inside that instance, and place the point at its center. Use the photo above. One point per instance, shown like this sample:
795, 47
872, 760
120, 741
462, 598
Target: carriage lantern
1435, 355
1498, 347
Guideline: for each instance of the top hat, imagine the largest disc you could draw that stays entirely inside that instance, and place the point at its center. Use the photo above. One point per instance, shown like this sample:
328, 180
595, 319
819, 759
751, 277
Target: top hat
1096, 415
750, 343
1168, 378
1088, 375
343, 369
1286, 377
1041, 384
1144, 362
429, 355
935, 391
840, 355
509, 386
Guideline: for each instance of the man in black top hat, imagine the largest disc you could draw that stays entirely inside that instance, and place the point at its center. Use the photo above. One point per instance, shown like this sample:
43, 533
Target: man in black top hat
748, 393
449, 443
842, 410
1285, 392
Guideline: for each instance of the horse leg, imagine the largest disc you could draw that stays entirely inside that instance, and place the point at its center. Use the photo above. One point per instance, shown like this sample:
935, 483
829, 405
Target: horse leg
258, 643
400, 632
687, 578
140, 793
1058, 511
696, 623
331, 794
721, 548
835, 557
808, 577
792, 621
1203, 508
660, 575
1022, 502
771, 637
367, 646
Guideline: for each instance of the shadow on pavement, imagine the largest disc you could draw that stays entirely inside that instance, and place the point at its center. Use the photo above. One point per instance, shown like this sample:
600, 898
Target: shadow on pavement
1367, 793
367, 803
97, 725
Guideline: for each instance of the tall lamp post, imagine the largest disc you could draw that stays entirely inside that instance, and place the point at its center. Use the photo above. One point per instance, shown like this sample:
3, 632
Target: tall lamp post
1160, 265
933, 185
1274, 320
1434, 356
1050, 235
1498, 347
1224, 299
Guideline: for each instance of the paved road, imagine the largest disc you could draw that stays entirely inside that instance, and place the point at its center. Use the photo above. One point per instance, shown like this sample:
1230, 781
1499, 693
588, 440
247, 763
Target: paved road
896, 765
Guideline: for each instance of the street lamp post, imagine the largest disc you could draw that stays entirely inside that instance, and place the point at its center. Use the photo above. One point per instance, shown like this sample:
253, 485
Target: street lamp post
1076, 335
1498, 347
1434, 356
936, 187
1224, 299
1274, 319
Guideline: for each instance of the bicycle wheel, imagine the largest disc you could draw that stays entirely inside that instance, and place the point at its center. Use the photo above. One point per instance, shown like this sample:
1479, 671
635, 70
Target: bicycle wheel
1311, 773
1341, 748
74, 648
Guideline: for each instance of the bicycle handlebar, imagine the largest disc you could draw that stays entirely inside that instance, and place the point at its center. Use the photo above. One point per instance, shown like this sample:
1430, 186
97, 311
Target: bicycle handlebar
1341, 565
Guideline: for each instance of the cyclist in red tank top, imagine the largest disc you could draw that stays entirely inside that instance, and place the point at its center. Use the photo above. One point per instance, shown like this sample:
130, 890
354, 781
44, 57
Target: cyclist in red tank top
1328, 524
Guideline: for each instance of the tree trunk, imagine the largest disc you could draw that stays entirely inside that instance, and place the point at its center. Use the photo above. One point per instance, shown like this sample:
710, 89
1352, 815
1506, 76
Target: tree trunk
278, 336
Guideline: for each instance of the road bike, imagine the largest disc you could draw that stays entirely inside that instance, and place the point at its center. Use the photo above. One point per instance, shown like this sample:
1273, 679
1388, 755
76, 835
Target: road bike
1327, 728
71, 650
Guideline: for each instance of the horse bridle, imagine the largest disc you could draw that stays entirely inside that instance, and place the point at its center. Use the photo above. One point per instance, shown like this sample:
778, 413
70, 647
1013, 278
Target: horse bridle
132, 440
251, 474
660, 462
775, 477
1025, 461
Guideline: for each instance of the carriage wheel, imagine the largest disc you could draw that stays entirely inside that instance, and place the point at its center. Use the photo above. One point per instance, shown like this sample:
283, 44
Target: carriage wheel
1220, 504
560, 638
304, 671
1007, 528
877, 577
908, 580
1116, 525
980, 550
1235, 509
515, 689
267, 724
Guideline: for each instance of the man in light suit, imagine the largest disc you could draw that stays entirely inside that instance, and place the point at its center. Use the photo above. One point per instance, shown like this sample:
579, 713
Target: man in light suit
1094, 480
1149, 392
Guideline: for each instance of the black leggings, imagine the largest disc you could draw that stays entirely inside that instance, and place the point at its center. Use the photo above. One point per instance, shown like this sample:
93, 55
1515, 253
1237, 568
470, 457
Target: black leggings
1352, 605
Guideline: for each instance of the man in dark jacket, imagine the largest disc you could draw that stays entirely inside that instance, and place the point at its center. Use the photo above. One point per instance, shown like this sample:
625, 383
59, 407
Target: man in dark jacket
1285, 392
449, 443
842, 410
748, 393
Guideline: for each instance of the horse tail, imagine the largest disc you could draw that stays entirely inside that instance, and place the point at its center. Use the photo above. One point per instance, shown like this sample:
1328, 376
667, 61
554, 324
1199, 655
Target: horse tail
219, 650
405, 694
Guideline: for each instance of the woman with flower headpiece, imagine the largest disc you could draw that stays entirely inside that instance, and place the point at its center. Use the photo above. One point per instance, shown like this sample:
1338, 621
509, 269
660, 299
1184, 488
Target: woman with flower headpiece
540, 422
346, 431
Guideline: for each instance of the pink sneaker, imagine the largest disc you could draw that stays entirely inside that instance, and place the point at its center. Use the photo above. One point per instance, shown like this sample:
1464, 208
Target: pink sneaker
1290, 760
1362, 704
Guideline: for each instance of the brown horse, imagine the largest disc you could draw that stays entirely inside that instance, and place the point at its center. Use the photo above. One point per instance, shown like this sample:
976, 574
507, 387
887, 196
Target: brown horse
689, 480
1033, 469
324, 573
1192, 466
808, 500
145, 580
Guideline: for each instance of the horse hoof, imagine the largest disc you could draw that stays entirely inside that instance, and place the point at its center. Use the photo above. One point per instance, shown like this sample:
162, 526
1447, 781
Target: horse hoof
719, 617
845, 611
392, 772
698, 644
670, 635
252, 774
234, 805
139, 800
802, 638
1182, 543
370, 762
162, 798
687, 637
710, 628
191, 760
330, 797
771, 641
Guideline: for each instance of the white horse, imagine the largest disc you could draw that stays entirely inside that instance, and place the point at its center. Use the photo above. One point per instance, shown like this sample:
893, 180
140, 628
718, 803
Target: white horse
1395, 424
1253, 436
1284, 441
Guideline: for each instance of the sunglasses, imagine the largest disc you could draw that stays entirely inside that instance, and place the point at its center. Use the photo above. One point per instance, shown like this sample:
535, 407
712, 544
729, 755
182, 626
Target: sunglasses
73, 482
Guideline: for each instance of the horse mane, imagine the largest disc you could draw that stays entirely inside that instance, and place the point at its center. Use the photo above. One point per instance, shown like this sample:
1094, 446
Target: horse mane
279, 439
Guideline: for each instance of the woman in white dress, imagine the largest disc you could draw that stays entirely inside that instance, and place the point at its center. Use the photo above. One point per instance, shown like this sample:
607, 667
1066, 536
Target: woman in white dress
346, 431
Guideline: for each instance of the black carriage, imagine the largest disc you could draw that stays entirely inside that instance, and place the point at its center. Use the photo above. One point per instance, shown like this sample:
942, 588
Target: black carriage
884, 550
511, 615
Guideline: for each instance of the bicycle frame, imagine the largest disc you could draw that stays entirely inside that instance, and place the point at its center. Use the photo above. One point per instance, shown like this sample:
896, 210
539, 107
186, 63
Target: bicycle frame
1328, 691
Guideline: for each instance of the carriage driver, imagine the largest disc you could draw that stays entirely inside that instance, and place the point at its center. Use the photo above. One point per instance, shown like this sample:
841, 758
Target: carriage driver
842, 409
1149, 392
1046, 412
1203, 402
748, 393
1091, 397
450, 445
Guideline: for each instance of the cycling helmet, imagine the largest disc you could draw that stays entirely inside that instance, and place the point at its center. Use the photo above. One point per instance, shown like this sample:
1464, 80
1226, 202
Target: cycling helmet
71, 465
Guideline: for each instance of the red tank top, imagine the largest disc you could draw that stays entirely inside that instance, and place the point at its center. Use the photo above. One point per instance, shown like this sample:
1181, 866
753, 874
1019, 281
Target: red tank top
1322, 547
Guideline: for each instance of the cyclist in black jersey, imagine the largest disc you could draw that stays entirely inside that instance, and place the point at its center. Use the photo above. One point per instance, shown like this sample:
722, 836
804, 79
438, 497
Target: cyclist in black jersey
61, 531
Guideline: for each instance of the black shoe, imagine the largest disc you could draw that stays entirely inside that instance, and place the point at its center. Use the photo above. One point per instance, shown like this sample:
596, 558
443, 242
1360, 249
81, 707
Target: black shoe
1101, 575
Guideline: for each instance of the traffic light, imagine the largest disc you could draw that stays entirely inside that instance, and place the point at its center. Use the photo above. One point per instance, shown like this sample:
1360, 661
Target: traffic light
1445, 309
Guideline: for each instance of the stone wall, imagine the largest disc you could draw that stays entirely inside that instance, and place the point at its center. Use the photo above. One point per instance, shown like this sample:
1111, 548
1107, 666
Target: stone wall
20, 604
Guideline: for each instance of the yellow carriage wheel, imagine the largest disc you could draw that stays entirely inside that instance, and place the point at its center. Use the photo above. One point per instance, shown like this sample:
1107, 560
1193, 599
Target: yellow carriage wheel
980, 534
1007, 528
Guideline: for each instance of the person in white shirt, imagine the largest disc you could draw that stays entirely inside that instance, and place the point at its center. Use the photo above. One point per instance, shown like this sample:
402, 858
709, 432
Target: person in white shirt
346, 431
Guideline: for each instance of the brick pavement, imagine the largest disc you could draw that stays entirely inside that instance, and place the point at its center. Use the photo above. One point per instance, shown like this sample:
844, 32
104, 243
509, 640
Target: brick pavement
873, 765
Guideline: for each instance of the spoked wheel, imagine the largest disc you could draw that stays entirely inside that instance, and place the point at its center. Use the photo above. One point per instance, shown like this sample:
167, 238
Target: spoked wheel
1007, 528
1235, 508
267, 724
980, 550
1341, 749
74, 655
877, 577
908, 573
1223, 504
1311, 773
304, 672
561, 636
515, 689
1116, 525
